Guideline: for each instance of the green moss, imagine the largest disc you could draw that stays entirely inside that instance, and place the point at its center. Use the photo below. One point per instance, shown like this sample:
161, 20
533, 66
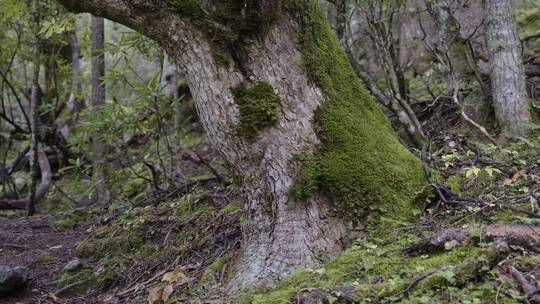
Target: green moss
380, 272
232, 208
46, 257
133, 186
455, 182
258, 105
76, 282
360, 163
73, 217
212, 273
116, 247
108, 243
190, 207
306, 182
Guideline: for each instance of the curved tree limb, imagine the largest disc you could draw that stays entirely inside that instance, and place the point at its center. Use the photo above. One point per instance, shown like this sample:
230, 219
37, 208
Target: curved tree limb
46, 178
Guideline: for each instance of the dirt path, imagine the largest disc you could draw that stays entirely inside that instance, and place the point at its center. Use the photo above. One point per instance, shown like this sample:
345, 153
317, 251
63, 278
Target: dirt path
32, 243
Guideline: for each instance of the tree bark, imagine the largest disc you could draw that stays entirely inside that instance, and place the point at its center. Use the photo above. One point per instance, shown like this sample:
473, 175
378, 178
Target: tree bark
98, 99
506, 68
451, 49
280, 234
74, 103
34, 100
170, 77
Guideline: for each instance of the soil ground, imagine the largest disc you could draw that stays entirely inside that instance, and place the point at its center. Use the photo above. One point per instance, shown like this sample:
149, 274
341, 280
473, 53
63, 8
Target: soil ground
32, 243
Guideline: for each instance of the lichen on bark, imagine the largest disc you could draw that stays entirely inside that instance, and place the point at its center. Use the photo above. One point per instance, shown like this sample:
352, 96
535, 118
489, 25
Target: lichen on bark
258, 105
360, 163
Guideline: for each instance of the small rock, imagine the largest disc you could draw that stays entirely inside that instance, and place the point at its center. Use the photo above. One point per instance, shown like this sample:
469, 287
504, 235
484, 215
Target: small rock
12, 279
73, 265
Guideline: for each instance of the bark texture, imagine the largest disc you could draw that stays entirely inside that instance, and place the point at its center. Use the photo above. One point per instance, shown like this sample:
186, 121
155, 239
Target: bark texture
452, 48
34, 115
506, 68
97, 99
170, 78
280, 233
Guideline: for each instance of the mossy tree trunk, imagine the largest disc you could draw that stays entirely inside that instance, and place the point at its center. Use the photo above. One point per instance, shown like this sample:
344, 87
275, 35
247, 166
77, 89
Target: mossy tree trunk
279, 100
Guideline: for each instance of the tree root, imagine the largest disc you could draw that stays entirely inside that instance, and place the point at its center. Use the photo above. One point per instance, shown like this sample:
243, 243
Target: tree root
525, 236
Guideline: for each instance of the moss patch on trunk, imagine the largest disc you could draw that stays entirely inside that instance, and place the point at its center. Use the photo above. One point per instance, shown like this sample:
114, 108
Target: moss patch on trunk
258, 105
360, 163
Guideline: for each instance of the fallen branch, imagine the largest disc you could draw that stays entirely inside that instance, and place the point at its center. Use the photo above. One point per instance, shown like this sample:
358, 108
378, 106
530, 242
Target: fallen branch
520, 235
65, 290
198, 159
530, 291
417, 280
46, 178
136, 286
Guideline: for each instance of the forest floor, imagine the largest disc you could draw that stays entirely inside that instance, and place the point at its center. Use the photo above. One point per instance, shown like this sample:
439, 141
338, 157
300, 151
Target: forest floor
177, 243
42, 249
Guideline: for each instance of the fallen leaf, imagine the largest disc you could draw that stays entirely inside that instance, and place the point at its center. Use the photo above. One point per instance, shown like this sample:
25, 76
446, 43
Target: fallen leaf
52, 296
176, 276
450, 244
507, 182
167, 291
160, 294
154, 295
517, 175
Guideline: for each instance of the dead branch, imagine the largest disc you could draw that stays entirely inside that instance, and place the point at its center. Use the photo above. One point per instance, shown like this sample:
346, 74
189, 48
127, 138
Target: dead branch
46, 178
529, 290
198, 159
518, 276
520, 235
417, 280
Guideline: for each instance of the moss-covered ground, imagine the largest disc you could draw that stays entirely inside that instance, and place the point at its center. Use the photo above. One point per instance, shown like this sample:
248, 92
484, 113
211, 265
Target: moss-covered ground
189, 224
496, 185
197, 231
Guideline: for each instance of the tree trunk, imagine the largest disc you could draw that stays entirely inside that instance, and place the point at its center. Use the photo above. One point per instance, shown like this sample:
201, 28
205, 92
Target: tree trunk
280, 102
74, 102
34, 103
506, 68
97, 99
451, 48
170, 78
